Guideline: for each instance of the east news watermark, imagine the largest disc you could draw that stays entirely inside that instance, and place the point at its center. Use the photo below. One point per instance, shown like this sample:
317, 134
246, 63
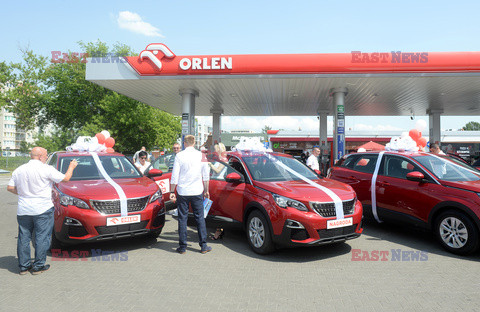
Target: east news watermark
399, 255
89, 255
59, 57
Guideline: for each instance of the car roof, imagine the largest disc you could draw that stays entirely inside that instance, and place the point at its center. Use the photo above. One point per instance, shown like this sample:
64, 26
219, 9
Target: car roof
77, 153
256, 153
404, 153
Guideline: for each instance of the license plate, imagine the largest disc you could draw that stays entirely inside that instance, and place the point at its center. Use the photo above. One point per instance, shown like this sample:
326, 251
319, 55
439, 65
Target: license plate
333, 224
123, 220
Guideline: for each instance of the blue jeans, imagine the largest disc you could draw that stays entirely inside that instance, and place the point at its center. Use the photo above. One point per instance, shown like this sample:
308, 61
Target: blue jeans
197, 206
42, 226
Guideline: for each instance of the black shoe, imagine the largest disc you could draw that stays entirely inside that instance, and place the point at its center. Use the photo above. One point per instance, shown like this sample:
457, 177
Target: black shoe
180, 250
39, 270
206, 249
25, 271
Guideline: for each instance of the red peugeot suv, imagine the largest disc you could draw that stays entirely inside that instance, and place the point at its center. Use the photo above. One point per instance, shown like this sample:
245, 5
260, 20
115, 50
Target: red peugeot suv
432, 191
282, 202
88, 208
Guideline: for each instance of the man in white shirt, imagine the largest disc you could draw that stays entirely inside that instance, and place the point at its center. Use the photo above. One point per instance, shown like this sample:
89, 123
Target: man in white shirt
32, 182
190, 176
137, 153
312, 161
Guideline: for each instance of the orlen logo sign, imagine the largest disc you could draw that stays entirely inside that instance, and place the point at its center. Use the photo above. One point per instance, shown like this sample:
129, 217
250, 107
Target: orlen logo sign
152, 51
156, 52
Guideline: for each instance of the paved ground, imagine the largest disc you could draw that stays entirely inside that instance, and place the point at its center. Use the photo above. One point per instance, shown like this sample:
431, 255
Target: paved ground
233, 278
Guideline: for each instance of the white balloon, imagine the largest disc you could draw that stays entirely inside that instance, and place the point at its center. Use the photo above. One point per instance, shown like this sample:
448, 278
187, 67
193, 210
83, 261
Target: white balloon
405, 134
105, 133
421, 125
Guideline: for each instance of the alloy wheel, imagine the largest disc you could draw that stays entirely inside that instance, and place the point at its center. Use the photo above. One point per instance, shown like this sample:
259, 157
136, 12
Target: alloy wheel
256, 232
453, 232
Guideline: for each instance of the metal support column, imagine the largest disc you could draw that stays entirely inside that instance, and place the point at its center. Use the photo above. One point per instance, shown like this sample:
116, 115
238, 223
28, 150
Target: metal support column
434, 125
188, 111
339, 122
323, 141
217, 125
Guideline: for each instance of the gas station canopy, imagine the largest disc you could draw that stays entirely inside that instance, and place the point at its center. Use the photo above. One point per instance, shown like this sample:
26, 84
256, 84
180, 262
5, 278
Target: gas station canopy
388, 84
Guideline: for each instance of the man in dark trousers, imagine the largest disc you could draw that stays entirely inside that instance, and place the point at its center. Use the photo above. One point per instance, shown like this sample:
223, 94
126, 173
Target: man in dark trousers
190, 177
32, 182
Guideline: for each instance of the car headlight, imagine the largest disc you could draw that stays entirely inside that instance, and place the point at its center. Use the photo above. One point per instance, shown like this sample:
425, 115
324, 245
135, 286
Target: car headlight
285, 202
155, 196
66, 200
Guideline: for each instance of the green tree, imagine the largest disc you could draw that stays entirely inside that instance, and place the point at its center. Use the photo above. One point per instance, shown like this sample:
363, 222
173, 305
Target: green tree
58, 95
472, 126
266, 128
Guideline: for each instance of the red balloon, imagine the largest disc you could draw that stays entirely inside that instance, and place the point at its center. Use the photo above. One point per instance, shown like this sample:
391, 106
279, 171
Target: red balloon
100, 137
422, 142
109, 142
110, 150
415, 134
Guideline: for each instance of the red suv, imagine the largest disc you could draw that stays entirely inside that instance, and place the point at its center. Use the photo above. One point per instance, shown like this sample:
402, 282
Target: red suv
432, 191
88, 208
281, 202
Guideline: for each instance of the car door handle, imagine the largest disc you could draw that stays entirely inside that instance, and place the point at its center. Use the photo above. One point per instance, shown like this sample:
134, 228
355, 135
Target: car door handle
384, 183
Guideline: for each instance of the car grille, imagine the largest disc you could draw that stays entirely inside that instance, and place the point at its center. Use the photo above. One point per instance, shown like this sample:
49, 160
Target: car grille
332, 233
123, 228
327, 210
113, 206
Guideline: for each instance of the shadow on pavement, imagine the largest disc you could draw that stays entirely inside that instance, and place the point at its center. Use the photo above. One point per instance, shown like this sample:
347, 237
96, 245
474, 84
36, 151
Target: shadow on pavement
9, 263
410, 237
235, 240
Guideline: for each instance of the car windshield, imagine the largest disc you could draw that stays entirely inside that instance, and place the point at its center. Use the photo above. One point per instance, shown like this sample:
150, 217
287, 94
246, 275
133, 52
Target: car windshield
117, 167
269, 168
448, 169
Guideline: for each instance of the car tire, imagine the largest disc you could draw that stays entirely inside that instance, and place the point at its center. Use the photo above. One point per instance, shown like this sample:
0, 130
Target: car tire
155, 234
457, 233
55, 243
258, 233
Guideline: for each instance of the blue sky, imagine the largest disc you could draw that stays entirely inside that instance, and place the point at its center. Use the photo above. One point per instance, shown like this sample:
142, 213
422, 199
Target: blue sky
249, 27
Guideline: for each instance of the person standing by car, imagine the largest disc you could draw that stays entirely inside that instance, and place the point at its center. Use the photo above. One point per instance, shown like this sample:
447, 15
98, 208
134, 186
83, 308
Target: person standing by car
219, 171
435, 149
190, 177
137, 153
142, 163
32, 182
176, 149
312, 161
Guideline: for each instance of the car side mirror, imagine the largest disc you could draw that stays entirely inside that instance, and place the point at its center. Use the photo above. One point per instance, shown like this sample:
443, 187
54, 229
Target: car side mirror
234, 177
318, 172
416, 176
154, 173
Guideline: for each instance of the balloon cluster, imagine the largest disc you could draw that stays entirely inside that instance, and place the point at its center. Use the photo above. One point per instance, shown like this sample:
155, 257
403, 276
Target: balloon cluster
250, 144
101, 142
409, 141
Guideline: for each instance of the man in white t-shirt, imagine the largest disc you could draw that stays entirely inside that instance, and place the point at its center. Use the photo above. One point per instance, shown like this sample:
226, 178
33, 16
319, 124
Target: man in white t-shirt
32, 182
312, 161
190, 177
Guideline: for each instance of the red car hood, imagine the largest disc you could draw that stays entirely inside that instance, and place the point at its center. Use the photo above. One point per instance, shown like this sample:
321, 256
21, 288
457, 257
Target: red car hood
302, 191
102, 190
466, 185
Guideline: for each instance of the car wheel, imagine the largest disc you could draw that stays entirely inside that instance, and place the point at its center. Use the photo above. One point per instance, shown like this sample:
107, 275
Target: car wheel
55, 243
155, 234
456, 232
258, 234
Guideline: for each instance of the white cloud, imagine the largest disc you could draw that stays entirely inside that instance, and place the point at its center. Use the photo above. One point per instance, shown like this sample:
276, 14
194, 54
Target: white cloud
133, 22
